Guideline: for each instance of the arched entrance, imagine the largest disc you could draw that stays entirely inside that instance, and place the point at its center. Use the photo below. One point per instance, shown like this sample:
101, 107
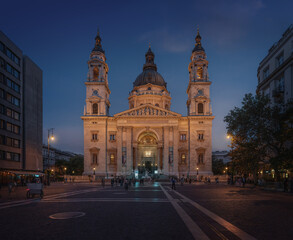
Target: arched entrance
147, 154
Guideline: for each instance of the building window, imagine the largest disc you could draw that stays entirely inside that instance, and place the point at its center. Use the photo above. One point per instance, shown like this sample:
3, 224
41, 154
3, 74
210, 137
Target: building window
183, 158
2, 109
96, 73
95, 108
200, 158
95, 158
112, 137
12, 99
199, 72
1, 47
182, 137
1, 93
112, 159
279, 60
2, 155
13, 85
2, 63
12, 128
167, 107
1, 78
200, 108
94, 137
12, 56
12, 71
265, 73
200, 136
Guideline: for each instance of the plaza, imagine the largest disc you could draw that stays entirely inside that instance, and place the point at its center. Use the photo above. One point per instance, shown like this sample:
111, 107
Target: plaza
149, 211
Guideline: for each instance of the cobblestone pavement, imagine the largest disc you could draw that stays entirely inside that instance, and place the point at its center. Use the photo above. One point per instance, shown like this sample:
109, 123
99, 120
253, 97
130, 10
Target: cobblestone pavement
152, 211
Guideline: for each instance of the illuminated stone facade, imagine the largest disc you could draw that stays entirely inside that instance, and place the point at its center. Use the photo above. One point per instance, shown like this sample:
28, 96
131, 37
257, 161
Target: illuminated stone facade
148, 138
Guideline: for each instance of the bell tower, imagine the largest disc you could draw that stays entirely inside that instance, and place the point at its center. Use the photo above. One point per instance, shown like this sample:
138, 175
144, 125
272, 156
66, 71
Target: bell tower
97, 89
198, 90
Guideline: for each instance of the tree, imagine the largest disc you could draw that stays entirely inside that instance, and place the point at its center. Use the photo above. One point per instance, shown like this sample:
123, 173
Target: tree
218, 166
260, 132
75, 165
280, 138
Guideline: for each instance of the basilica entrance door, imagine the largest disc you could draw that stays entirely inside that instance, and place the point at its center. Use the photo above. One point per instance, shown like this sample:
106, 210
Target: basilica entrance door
147, 156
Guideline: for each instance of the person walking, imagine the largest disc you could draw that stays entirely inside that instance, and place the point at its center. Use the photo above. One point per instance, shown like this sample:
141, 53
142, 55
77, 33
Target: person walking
182, 181
103, 182
173, 181
286, 185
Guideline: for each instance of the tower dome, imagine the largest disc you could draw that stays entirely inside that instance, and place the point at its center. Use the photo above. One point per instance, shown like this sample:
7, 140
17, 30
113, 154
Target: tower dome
149, 74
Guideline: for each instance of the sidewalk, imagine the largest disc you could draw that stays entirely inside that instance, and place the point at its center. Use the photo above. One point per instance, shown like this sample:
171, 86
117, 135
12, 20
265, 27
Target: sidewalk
19, 192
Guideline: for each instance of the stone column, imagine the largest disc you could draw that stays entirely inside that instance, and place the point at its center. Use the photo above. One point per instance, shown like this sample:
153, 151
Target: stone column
119, 150
166, 151
175, 149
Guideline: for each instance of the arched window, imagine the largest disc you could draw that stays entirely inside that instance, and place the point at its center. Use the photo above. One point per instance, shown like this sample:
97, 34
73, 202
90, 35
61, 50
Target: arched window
157, 105
95, 108
200, 108
96, 73
95, 158
199, 72
200, 158
167, 106
183, 158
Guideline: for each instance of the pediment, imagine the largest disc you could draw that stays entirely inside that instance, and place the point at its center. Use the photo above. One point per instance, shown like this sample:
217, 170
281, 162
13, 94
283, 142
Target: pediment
147, 110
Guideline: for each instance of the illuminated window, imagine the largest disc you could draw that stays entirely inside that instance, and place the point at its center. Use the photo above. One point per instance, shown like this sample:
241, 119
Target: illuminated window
199, 72
112, 158
183, 158
200, 108
95, 108
96, 72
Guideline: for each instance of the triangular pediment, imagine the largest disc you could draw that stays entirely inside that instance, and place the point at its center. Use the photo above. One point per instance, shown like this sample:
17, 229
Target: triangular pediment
147, 110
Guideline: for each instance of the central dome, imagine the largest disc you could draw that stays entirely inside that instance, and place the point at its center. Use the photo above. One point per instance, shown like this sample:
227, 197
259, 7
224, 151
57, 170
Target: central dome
149, 74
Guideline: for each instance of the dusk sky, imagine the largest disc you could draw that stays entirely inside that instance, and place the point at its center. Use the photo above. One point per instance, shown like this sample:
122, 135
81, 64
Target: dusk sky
59, 36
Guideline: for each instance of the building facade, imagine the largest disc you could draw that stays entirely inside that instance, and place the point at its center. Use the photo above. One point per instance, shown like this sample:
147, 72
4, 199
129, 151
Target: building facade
148, 138
50, 157
275, 71
222, 155
20, 110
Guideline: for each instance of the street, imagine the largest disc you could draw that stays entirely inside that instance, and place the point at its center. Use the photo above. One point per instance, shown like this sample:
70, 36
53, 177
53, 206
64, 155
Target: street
149, 211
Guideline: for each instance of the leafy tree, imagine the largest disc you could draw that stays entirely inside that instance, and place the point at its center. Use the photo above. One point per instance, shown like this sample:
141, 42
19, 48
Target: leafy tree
75, 165
280, 138
247, 127
218, 166
260, 133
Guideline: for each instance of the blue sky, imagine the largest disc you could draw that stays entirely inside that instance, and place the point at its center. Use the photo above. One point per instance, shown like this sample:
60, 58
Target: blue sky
59, 35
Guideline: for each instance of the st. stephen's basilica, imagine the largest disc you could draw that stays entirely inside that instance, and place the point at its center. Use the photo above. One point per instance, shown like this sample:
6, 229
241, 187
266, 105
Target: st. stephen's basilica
148, 138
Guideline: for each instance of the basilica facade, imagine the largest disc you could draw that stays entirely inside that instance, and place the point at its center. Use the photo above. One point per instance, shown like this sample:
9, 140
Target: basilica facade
148, 138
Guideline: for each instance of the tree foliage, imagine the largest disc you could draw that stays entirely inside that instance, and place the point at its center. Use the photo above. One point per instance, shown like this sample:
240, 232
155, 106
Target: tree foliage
218, 166
74, 166
260, 132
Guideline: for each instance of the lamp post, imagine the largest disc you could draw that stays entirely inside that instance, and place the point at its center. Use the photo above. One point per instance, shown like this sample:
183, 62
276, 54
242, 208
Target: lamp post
197, 174
232, 170
50, 136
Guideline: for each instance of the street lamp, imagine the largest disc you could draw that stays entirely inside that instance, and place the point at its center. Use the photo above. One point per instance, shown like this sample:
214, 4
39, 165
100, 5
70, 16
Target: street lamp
94, 170
50, 136
197, 173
